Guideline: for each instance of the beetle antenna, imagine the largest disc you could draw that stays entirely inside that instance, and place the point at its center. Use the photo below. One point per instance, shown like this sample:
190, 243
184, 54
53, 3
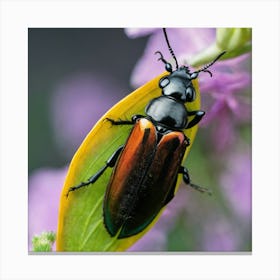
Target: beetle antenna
168, 66
169, 47
204, 68
161, 57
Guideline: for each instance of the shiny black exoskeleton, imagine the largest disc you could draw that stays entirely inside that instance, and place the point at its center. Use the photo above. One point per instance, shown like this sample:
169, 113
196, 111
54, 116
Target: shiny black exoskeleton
146, 167
169, 111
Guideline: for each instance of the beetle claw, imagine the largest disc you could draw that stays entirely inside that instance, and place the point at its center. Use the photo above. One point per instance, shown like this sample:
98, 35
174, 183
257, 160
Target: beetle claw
201, 189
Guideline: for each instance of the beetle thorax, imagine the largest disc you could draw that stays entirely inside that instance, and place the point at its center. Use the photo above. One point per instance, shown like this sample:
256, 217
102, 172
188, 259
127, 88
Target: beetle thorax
178, 85
168, 112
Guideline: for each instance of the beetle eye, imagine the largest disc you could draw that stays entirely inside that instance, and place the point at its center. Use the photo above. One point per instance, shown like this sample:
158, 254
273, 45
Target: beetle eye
168, 67
190, 94
164, 82
194, 75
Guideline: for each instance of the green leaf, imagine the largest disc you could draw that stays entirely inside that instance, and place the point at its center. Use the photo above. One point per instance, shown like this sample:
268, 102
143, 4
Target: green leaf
80, 226
235, 41
43, 242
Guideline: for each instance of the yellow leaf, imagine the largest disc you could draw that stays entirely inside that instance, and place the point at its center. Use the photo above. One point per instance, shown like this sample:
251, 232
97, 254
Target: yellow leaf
80, 224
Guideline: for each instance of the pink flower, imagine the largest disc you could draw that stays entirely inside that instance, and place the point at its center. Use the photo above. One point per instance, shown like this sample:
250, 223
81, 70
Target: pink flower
237, 182
45, 186
225, 96
78, 103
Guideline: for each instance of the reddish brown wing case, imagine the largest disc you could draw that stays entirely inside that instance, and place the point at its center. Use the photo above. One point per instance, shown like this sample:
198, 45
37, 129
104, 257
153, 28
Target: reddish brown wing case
143, 179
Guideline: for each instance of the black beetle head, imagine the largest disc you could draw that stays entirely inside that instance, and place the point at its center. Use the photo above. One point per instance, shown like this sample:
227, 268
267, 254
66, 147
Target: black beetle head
178, 85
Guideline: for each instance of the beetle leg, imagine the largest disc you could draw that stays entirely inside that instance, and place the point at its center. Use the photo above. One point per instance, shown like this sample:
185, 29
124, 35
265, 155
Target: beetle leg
198, 115
119, 122
186, 177
109, 163
136, 117
124, 122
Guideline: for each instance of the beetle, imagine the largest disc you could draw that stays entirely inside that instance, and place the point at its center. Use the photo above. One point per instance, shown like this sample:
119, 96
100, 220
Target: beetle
145, 169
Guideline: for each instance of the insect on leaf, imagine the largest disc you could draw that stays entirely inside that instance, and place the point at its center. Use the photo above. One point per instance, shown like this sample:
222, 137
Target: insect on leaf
80, 225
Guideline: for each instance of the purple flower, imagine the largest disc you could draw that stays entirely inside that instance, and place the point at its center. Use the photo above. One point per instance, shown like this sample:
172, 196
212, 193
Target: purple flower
225, 96
236, 182
78, 103
138, 32
182, 40
219, 236
227, 101
230, 230
45, 186
153, 241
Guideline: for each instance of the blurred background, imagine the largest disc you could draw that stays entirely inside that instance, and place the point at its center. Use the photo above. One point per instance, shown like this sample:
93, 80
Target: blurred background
76, 75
